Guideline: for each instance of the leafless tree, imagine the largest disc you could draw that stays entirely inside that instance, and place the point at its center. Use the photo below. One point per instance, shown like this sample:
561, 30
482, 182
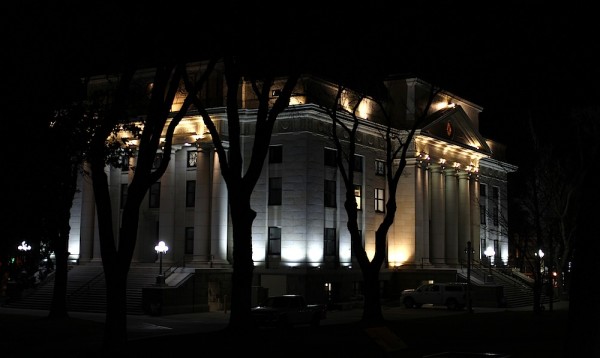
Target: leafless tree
397, 144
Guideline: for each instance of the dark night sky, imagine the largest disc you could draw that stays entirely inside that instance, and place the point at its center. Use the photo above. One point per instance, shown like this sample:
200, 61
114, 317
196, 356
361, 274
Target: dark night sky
510, 59
505, 57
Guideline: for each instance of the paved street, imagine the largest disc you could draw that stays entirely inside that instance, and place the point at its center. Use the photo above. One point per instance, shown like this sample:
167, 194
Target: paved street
408, 333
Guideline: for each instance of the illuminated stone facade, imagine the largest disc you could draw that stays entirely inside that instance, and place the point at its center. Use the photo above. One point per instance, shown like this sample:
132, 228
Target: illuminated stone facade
300, 239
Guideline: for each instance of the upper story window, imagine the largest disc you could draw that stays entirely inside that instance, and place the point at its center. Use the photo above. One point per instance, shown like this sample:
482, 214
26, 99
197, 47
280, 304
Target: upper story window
275, 154
190, 193
358, 196
358, 163
330, 194
482, 189
154, 195
275, 191
379, 200
330, 157
157, 160
192, 158
379, 167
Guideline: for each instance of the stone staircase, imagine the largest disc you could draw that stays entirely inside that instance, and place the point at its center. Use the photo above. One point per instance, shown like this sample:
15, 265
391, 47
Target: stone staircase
86, 290
517, 292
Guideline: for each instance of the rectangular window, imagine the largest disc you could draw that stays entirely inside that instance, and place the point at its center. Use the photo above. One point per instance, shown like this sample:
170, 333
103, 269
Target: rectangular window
495, 193
157, 160
275, 154
357, 196
379, 167
192, 158
379, 200
274, 245
190, 193
329, 244
123, 195
482, 190
496, 217
274, 191
330, 157
154, 195
189, 240
482, 214
330, 194
358, 163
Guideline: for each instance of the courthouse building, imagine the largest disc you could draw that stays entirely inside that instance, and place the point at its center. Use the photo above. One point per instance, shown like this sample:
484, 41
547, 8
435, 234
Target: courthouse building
453, 190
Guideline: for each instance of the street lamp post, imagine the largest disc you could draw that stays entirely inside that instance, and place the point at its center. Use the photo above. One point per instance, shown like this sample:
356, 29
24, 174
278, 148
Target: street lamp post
469, 251
489, 253
161, 249
24, 248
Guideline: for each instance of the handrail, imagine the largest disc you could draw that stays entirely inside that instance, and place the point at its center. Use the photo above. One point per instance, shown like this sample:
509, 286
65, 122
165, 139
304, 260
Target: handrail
87, 286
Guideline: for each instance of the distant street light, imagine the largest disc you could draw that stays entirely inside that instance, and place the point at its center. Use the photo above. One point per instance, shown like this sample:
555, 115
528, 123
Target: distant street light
541, 255
161, 249
489, 253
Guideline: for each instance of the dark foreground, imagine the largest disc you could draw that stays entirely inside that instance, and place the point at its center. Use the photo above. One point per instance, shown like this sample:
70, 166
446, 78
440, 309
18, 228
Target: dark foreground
504, 333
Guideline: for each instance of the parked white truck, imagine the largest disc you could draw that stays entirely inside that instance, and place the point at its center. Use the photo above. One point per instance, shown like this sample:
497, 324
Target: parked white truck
452, 295
288, 310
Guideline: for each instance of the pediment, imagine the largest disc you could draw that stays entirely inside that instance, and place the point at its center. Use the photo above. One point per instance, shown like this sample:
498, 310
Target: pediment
454, 126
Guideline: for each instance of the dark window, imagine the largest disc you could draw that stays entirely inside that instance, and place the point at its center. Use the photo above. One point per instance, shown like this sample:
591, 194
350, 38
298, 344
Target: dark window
358, 196
189, 240
274, 246
495, 193
275, 154
496, 216
330, 155
123, 195
330, 194
274, 191
190, 193
379, 167
329, 244
192, 158
358, 163
157, 160
482, 190
482, 214
154, 195
379, 200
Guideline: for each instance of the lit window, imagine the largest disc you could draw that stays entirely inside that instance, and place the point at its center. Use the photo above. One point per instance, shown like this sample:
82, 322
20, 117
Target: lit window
379, 200
274, 246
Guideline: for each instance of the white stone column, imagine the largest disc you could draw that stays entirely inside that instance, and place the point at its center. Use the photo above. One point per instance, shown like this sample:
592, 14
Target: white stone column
451, 210
475, 219
421, 214
202, 231
437, 243
464, 212
166, 228
87, 243
219, 214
